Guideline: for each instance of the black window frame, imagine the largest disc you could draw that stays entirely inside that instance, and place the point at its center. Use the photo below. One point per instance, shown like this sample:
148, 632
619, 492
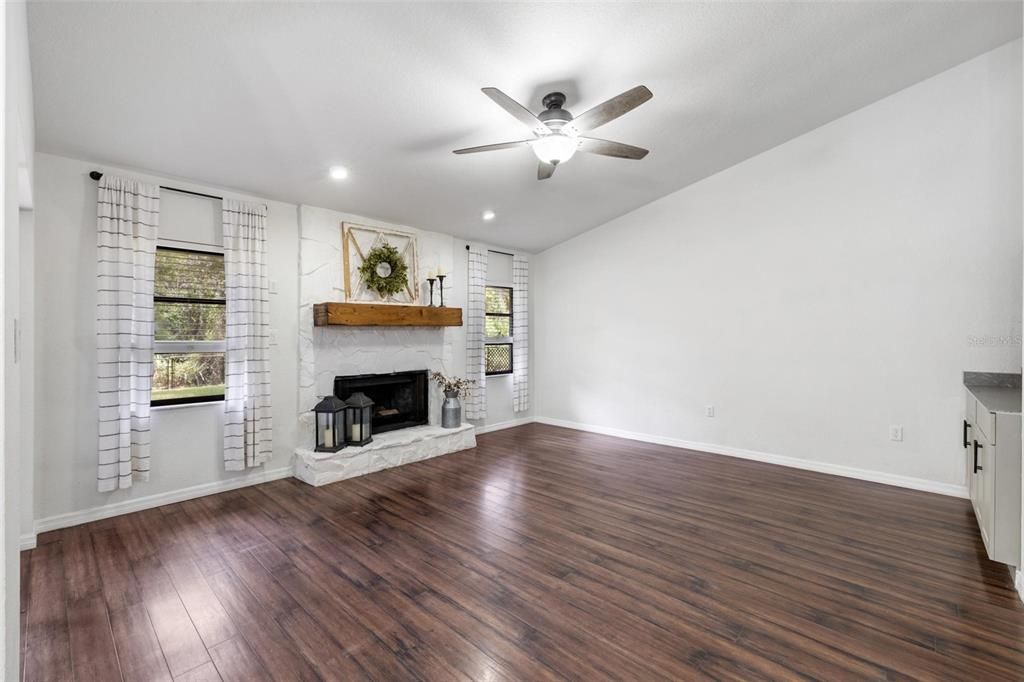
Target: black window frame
505, 340
194, 400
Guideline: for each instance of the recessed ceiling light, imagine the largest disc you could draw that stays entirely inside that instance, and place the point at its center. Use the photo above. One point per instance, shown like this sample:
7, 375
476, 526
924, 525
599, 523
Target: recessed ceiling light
338, 172
488, 215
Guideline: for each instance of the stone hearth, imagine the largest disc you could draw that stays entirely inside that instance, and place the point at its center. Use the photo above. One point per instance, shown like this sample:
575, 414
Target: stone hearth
387, 450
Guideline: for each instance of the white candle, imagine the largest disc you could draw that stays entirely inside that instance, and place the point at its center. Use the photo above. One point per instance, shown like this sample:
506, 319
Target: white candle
328, 437
355, 433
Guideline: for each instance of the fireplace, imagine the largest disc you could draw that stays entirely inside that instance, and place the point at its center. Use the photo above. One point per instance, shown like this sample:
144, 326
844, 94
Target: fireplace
400, 399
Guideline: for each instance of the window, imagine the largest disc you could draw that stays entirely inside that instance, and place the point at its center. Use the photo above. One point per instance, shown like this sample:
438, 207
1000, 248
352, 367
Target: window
189, 312
497, 330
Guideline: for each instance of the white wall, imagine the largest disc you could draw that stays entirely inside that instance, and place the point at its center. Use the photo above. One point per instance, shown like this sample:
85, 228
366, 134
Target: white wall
187, 444
17, 139
815, 294
26, 370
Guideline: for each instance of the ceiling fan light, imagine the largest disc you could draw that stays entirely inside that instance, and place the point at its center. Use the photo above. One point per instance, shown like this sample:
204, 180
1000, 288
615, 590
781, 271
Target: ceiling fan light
554, 148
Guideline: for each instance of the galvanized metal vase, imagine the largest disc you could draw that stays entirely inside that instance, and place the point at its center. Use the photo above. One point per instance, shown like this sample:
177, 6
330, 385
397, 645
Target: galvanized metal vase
451, 410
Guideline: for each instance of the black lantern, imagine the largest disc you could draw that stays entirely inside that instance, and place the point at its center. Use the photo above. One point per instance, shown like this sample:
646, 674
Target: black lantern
330, 424
359, 418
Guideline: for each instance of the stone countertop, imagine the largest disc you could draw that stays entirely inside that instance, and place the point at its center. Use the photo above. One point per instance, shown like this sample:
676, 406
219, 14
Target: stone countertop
997, 392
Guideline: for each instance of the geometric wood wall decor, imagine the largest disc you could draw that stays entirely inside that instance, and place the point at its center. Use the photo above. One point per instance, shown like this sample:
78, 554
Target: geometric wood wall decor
359, 240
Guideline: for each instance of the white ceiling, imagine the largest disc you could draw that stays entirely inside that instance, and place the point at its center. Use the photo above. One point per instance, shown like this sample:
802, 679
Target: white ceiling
265, 97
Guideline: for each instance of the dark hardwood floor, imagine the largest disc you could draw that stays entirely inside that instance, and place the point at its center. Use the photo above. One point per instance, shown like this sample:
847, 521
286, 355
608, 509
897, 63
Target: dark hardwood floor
544, 553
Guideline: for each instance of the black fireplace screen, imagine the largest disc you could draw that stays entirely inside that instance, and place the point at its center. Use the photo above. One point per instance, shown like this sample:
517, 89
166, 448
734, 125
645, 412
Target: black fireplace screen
400, 399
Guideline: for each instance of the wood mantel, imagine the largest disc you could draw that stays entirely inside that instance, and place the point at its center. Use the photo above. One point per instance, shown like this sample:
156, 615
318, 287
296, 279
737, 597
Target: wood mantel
377, 315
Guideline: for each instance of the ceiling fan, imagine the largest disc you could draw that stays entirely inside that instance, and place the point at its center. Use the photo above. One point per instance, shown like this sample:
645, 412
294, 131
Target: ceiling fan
557, 134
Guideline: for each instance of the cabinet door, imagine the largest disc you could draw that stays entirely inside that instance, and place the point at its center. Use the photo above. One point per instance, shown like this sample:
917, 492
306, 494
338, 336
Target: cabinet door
1004, 474
985, 422
967, 434
975, 483
973, 480
985, 505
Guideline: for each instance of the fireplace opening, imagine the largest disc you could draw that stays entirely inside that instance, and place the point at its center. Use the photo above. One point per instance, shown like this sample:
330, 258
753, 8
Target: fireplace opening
400, 399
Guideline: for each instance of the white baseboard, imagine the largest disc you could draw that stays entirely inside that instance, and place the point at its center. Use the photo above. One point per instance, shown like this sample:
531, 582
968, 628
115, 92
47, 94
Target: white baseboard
28, 540
1018, 582
769, 458
499, 426
150, 501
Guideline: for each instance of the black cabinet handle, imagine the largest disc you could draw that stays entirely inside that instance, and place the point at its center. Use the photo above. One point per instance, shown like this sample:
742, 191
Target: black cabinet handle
966, 427
976, 467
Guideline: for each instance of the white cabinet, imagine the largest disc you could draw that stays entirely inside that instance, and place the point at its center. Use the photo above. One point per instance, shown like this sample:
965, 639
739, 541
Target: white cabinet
992, 444
970, 409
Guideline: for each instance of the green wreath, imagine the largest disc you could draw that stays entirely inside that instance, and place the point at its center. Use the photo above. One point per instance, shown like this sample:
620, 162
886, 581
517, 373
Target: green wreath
384, 270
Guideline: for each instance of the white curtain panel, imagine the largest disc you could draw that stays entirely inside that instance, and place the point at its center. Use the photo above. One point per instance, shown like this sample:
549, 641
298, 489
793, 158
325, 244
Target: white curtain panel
476, 402
520, 334
248, 437
127, 215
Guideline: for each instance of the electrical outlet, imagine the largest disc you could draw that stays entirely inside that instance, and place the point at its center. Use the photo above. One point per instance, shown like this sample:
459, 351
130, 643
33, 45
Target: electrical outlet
709, 411
896, 433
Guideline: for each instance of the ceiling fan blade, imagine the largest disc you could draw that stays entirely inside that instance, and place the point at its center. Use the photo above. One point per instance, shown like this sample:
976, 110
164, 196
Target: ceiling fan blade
491, 147
545, 170
609, 110
521, 113
609, 148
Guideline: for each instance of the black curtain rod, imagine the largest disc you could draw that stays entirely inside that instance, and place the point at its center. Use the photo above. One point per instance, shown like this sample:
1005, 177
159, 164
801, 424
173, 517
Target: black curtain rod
503, 253
96, 175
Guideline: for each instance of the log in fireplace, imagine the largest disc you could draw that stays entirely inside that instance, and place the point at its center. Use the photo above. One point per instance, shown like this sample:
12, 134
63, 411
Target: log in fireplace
400, 399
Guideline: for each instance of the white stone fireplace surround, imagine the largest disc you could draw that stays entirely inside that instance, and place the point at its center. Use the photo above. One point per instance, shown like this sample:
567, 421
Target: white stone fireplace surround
326, 352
